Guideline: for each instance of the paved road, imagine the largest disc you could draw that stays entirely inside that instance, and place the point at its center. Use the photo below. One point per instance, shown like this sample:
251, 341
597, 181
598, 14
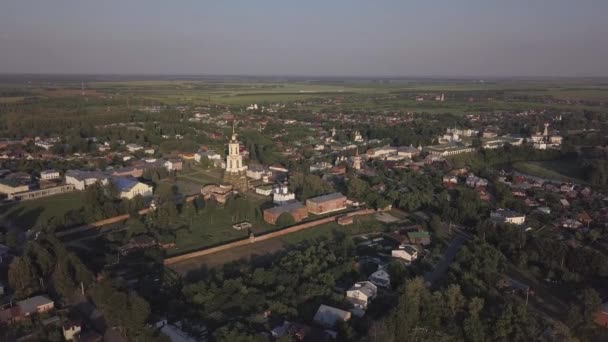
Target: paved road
443, 265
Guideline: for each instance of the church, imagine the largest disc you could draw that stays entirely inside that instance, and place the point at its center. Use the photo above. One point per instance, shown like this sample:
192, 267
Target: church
235, 172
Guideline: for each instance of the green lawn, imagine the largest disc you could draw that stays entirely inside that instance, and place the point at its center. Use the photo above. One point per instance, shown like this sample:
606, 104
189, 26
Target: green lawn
28, 214
213, 226
560, 170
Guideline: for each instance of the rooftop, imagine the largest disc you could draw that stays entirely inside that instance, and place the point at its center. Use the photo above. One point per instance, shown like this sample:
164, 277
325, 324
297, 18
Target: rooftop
289, 207
328, 197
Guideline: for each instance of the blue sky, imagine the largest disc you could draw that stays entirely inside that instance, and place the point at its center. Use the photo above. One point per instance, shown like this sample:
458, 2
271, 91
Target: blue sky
337, 37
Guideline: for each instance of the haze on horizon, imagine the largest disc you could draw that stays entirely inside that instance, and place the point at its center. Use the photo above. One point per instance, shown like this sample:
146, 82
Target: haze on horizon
548, 38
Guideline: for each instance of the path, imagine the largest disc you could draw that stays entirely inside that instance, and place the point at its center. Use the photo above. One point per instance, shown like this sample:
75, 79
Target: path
441, 268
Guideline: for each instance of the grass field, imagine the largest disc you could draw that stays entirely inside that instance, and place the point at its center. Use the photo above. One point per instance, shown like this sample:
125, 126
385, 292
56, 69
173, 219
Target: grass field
362, 225
560, 170
28, 214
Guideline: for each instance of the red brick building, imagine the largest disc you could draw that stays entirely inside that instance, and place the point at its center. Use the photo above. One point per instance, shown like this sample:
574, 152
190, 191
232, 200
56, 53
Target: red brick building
326, 204
296, 209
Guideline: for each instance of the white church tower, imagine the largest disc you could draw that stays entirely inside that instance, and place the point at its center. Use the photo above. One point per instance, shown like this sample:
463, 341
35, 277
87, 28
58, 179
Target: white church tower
236, 172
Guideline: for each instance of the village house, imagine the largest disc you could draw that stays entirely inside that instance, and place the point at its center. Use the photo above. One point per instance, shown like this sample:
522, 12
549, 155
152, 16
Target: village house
133, 148
507, 216
294, 208
361, 294
473, 181
25, 308
326, 204
380, 278
71, 330
408, 253
174, 164
329, 316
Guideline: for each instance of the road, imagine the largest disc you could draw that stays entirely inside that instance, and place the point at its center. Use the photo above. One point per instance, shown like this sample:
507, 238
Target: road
449, 254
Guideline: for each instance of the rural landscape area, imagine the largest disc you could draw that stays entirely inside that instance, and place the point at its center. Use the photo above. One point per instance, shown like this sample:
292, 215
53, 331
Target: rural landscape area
319, 171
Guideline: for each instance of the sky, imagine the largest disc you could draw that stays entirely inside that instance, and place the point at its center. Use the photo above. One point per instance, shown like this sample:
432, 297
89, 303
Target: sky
435, 38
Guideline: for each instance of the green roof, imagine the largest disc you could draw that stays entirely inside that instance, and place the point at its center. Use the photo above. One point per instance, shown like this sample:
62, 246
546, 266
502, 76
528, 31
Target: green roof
419, 234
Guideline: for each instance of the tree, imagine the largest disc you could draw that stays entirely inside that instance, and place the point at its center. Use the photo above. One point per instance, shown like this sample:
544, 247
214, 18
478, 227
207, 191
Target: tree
285, 220
454, 299
21, 277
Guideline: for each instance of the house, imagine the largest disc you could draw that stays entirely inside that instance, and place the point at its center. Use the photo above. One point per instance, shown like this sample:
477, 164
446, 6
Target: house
133, 148
473, 181
295, 208
49, 175
326, 204
34, 305
584, 218
329, 316
129, 187
380, 278
571, 224
419, 237
173, 164
71, 330
82, 179
507, 216
361, 293
449, 180
405, 252
264, 190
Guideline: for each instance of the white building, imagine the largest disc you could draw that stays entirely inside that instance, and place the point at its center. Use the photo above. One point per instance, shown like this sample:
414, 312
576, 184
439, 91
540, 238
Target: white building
405, 252
49, 174
129, 187
264, 190
82, 179
381, 152
361, 294
508, 216
473, 181
255, 172
133, 148
282, 195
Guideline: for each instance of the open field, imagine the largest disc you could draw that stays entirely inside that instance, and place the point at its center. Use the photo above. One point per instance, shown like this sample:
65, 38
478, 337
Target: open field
28, 214
560, 170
